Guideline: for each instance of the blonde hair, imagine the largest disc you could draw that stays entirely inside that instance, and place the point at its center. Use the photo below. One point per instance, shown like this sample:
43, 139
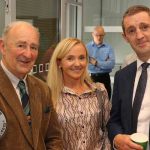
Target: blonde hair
55, 78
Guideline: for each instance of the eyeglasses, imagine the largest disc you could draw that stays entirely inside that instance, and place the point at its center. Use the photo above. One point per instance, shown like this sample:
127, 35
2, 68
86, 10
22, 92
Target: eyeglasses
99, 35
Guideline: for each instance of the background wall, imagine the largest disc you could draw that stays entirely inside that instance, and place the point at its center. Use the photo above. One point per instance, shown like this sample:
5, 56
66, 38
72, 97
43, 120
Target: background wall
109, 13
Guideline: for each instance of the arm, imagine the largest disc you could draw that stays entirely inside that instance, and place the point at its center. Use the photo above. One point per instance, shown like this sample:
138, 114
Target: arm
115, 127
108, 62
53, 140
114, 124
105, 106
106, 113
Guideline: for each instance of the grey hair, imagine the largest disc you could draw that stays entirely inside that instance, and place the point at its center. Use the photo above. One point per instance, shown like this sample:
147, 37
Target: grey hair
17, 23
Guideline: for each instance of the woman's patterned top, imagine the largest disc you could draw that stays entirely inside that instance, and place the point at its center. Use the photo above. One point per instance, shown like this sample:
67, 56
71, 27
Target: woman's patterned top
79, 116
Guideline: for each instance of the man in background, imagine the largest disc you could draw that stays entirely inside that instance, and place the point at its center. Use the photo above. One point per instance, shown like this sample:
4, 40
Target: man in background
101, 58
27, 118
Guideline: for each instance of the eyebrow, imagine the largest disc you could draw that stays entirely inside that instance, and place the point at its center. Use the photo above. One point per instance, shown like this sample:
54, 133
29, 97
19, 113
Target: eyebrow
24, 42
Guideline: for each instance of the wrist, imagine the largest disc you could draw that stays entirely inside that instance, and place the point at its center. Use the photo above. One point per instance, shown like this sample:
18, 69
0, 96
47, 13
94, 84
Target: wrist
95, 63
115, 142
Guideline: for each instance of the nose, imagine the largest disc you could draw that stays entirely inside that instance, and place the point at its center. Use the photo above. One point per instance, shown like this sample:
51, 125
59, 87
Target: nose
28, 52
77, 62
139, 34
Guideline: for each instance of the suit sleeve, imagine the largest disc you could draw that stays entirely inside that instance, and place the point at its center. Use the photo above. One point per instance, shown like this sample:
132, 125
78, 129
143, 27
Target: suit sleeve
114, 124
53, 139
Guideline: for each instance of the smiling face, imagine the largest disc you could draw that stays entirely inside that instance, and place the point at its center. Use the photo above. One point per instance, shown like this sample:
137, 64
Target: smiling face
73, 65
20, 49
137, 33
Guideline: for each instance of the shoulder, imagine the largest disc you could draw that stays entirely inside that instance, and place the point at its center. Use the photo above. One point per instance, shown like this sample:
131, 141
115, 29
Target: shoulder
129, 67
89, 44
36, 82
99, 86
129, 70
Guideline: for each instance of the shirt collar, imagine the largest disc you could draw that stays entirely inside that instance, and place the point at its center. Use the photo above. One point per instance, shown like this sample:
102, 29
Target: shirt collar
100, 45
14, 80
93, 87
139, 63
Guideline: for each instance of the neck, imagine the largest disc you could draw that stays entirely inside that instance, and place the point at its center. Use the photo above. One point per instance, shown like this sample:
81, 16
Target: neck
77, 86
73, 83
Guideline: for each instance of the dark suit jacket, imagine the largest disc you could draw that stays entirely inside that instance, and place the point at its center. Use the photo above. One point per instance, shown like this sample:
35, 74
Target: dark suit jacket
45, 131
120, 121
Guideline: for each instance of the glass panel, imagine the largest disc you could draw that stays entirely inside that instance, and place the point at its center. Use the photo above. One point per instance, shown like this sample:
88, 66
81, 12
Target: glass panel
2, 16
74, 21
47, 20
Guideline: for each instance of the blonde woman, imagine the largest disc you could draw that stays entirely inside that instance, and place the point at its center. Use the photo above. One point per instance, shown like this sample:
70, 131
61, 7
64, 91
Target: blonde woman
77, 100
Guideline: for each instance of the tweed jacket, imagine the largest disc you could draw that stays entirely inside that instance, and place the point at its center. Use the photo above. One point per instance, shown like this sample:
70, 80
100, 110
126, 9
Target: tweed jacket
44, 132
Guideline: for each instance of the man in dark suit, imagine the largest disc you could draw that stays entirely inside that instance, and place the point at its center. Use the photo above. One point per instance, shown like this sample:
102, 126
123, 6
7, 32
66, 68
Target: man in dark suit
37, 129
122, 122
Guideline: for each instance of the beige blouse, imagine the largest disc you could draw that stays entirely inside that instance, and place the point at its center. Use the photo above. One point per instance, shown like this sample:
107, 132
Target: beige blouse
79, 116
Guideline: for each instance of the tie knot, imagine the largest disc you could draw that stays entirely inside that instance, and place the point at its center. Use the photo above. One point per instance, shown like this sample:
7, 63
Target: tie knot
21, 84
145, 65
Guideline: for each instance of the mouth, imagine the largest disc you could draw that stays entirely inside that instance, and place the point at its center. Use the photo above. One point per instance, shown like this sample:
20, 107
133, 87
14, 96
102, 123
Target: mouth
141, 44
25, 62
77, 70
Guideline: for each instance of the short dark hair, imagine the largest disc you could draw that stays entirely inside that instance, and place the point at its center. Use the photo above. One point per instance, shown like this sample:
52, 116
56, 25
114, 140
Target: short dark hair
134, 10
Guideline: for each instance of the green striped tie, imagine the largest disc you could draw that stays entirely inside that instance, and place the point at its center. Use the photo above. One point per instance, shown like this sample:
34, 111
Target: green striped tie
24, 97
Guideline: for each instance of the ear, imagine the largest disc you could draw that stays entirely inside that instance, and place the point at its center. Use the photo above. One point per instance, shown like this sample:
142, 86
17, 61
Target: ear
125, 37
2, 46
59, 63
93, 34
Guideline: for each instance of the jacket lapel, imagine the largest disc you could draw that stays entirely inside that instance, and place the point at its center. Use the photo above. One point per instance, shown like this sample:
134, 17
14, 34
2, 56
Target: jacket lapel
130, 81
10, 96
36, 109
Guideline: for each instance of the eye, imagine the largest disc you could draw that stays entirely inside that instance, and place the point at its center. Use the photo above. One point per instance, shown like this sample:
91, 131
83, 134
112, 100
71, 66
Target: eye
21, 46
144, 27
131, 31
82, 57
34, 48
70, 58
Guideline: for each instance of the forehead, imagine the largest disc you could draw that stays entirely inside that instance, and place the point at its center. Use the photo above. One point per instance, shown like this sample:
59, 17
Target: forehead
77, 49
23, 32
136, 19
99, 30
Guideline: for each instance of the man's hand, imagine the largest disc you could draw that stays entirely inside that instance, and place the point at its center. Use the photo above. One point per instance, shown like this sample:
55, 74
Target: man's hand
93, 61
123, 142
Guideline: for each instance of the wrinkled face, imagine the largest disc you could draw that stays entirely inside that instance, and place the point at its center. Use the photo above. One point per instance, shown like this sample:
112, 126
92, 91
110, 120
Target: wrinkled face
20, 51
98, 36
137, 33
74, 63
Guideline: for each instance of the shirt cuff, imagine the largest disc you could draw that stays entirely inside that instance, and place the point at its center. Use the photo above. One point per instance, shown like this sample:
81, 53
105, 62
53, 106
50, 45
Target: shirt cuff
114, 145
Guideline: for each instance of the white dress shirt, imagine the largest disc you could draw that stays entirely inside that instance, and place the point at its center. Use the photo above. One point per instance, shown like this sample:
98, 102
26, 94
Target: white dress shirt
14, 80
144, 115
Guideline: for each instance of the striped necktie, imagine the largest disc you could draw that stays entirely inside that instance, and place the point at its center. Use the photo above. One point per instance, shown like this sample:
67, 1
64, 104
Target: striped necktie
24, 97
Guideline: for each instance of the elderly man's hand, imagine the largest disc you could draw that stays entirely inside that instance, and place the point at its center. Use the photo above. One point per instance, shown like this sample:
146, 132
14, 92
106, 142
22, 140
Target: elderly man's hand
93, 61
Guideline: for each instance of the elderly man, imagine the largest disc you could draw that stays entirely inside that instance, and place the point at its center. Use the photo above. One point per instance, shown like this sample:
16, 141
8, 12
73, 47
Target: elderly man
27, 118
